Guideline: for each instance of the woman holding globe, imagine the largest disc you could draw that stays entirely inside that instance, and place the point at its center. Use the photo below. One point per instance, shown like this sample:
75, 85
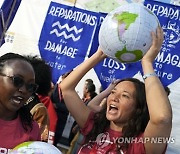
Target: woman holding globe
135, 114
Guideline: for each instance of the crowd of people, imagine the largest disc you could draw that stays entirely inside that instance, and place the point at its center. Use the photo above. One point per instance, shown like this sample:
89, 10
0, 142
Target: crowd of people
32, 108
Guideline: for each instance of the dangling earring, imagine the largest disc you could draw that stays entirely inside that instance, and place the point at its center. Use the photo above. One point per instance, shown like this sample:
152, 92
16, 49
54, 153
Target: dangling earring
30, 99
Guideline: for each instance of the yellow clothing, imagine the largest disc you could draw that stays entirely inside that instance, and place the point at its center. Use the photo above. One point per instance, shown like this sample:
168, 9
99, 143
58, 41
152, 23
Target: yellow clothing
40, 115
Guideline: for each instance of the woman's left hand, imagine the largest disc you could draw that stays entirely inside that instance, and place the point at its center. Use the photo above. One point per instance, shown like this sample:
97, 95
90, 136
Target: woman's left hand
157, 40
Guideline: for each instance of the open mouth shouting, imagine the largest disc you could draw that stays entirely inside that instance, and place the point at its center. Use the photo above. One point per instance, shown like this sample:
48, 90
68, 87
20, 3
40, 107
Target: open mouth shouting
112, 109
17, 101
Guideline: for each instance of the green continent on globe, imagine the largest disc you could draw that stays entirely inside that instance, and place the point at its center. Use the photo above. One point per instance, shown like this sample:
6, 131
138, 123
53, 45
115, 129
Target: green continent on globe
127, 18
137, 53
24, 144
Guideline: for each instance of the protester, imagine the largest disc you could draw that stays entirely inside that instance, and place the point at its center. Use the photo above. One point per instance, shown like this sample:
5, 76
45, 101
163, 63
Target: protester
64, 118
40, 115
86, 83
89, 91
96, 104
134, 109
44, 80
17, 80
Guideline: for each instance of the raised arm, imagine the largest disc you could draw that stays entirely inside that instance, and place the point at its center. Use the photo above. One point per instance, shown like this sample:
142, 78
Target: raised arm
160, 111
98, 102
73, 102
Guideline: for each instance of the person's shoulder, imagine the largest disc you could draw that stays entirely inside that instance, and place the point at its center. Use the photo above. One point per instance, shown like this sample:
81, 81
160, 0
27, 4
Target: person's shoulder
35, 125
40, 107
35, 132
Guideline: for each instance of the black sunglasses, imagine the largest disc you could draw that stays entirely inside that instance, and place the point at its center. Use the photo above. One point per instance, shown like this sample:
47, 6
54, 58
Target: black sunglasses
18, 82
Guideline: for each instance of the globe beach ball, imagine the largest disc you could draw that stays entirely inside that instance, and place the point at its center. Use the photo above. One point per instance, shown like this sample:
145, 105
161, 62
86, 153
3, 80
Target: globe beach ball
35, 147
125, 33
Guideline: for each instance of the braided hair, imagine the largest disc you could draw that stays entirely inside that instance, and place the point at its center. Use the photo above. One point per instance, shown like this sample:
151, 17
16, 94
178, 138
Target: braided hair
23, 112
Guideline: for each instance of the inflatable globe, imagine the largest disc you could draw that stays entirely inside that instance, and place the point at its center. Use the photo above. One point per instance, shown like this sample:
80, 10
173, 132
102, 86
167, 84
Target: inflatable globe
125, 33
35, 147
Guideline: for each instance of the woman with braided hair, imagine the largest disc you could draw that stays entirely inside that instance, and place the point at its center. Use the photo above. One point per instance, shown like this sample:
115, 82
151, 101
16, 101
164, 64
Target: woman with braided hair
17, 84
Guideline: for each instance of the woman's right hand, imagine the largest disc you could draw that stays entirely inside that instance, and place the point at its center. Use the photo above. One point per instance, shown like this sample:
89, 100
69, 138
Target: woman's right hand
101, 53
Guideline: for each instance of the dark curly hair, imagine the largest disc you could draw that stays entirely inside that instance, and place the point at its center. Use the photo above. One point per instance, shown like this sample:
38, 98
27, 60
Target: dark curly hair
42, 73
24, 112
136, 124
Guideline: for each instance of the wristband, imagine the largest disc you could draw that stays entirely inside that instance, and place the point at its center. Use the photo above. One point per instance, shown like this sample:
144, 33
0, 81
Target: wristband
145, 76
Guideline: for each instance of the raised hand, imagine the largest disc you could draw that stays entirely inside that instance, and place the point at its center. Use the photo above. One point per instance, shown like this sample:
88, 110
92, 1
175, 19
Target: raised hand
157, 40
